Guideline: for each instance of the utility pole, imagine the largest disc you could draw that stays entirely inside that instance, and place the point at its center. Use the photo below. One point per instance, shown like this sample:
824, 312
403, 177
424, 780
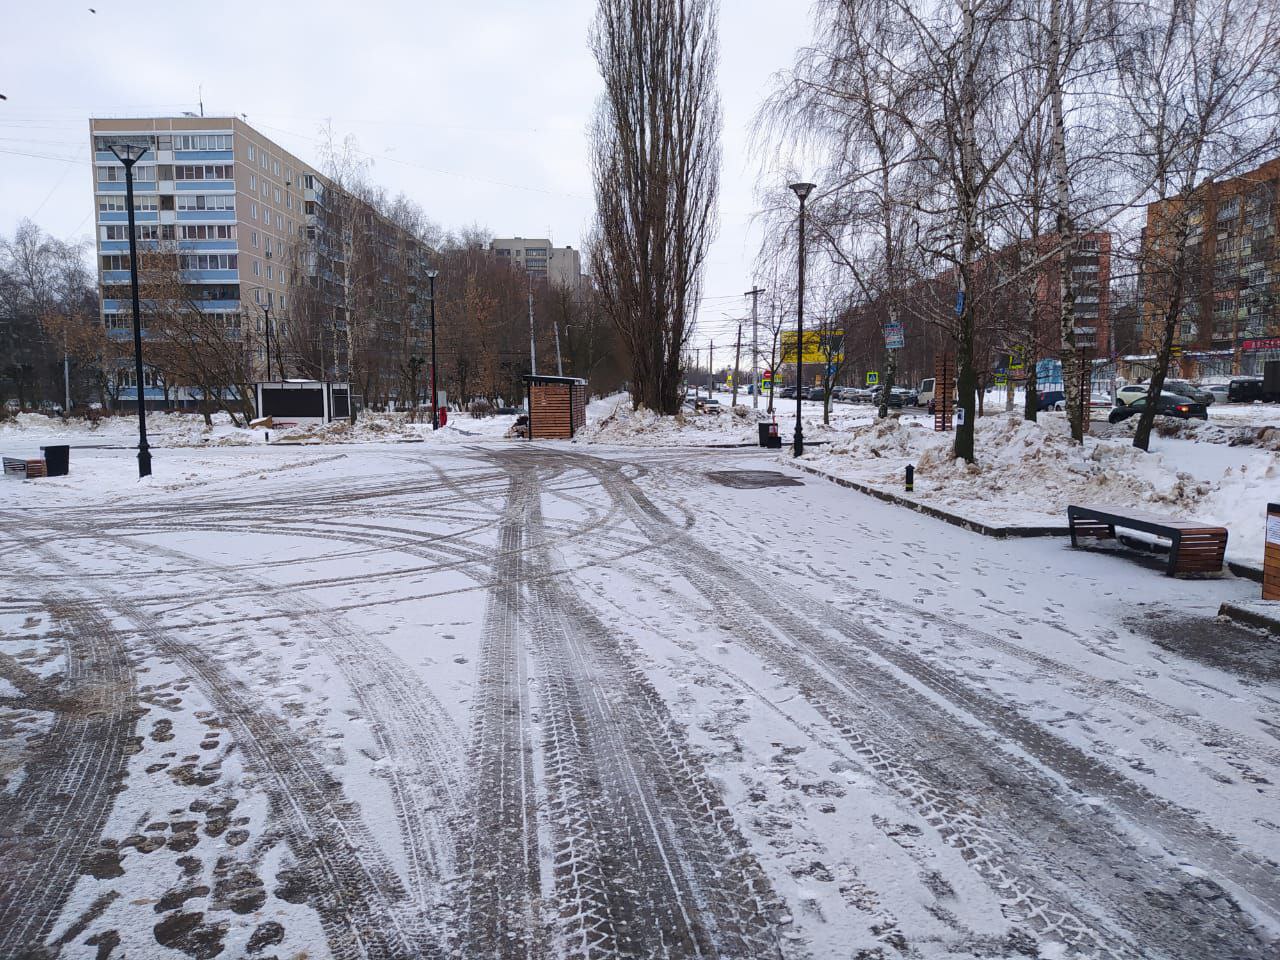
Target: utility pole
66, 376
697, 366
711, 367
559, 365
737, 353
533, 359
754, 294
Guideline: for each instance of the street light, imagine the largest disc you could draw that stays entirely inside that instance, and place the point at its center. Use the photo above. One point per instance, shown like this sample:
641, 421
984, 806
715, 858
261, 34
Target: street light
435, 393
801, 190
129, 154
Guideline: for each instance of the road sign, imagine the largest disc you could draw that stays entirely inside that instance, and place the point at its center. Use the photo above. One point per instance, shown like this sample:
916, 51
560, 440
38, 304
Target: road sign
959, 302
893, 336
1001, 380
873, 378
831, 370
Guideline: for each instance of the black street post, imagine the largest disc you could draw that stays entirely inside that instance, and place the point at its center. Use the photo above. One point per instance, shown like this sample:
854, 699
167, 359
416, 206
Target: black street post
802, 191
129, 154
435, 393
266, 319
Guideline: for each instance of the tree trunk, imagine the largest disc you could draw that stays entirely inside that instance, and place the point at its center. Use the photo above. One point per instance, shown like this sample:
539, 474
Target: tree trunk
1030, 402
890, 372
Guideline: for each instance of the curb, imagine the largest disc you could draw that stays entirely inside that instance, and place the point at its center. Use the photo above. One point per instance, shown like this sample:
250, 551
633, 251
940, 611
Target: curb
1244, 571
1251, 617
938, 514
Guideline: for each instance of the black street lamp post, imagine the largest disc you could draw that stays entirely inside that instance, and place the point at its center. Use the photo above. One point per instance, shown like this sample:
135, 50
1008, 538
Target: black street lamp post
129, 154
435, 393
801, 190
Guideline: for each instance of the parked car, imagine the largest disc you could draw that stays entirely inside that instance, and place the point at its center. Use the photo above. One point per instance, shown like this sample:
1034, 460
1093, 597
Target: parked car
707, 403
1244, 389
1167, 405
1219, 391
787, 393
1051, 400
900, 396
816, 393
1185, 388
1130, 392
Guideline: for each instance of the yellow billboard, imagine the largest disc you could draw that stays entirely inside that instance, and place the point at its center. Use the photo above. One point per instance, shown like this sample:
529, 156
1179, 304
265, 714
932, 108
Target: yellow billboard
820, 346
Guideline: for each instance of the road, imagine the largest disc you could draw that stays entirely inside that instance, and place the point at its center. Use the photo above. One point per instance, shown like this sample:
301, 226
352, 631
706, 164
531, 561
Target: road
554, 701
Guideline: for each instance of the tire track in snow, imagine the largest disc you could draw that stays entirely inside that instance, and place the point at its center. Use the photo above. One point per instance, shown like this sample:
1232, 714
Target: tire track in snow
60, 808
647, 860
885, 720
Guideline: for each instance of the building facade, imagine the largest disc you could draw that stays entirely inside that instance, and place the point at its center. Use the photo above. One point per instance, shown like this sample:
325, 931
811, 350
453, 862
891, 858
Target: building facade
561, 266
250, 228
1229, 320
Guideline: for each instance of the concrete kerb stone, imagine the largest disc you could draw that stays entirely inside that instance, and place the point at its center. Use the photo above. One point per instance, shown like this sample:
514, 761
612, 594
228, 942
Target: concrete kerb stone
967, 523
1253, 613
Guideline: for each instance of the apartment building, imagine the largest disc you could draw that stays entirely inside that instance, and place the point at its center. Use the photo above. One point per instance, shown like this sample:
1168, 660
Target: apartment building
249, 222
542, 261
1090, 266
1229, 322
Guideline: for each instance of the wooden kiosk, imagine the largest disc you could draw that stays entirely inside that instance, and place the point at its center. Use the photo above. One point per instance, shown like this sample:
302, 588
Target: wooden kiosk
557, 406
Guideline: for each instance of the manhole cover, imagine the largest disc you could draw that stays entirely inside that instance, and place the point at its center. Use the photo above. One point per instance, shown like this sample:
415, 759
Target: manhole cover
752, 479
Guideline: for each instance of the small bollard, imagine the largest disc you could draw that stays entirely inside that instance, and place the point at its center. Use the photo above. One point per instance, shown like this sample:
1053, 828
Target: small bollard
267, 435
911, 478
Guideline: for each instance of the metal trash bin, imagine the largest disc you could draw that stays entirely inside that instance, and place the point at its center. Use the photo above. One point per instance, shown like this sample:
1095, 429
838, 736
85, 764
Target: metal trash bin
57, 460
764, 434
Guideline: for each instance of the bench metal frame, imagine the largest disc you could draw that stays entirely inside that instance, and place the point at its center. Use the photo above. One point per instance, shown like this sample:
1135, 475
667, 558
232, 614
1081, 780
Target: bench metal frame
1195, 547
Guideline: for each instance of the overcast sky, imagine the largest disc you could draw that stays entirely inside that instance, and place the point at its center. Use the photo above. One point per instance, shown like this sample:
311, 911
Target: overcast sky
478, 111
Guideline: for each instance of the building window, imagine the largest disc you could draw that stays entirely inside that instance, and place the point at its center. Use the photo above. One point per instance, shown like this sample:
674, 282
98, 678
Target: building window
257, 269
275, 167
253, 211
206, 201
270, 273
209, 171
279, 221
253, 239
114, 173
277, 194
115, 261
250, 147
207, 261
208, 231
253, 181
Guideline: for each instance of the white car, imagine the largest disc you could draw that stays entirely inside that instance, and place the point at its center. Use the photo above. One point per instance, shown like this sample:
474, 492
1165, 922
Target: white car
1127, 394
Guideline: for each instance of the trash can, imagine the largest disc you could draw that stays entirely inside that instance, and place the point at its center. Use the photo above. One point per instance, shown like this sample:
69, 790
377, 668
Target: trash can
57, 460
764, 434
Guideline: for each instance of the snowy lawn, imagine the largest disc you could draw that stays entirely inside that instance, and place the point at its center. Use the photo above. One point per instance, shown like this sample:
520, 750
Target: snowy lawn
480, 698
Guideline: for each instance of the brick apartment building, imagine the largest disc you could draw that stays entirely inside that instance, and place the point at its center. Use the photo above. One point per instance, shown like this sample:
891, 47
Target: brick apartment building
1230, 322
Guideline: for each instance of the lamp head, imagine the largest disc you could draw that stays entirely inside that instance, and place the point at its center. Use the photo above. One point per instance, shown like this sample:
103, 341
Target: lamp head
432, 274
128, 152
802, 190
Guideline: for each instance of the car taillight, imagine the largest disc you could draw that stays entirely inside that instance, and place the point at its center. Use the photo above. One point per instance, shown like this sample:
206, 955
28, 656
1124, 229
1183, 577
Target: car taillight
1183, 408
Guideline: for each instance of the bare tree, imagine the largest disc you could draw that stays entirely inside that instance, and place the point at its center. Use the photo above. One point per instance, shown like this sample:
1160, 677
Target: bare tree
656, 163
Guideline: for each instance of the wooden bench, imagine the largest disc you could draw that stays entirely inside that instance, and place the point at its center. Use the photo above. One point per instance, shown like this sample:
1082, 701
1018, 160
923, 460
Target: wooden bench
1195, 547
24, 469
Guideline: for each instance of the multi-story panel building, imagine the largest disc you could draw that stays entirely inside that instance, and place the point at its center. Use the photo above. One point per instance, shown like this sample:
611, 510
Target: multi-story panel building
1090, 265
247, 222
561, 266
1230, 320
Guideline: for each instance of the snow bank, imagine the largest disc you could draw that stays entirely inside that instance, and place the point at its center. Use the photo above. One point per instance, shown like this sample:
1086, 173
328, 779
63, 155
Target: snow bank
28, 431
623, 426
1027, 473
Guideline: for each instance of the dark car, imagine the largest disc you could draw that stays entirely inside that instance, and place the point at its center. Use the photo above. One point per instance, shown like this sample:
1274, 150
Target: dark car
1167, 405
1244, 390
1185, 388
787, 393
816, 393
1051, 400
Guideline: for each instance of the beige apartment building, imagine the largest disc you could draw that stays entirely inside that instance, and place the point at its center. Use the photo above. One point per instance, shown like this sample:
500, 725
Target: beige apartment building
246, 218
537, 257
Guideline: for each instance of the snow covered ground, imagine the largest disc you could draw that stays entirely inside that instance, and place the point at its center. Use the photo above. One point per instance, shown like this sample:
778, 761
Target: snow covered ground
1223, 471
485, 698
